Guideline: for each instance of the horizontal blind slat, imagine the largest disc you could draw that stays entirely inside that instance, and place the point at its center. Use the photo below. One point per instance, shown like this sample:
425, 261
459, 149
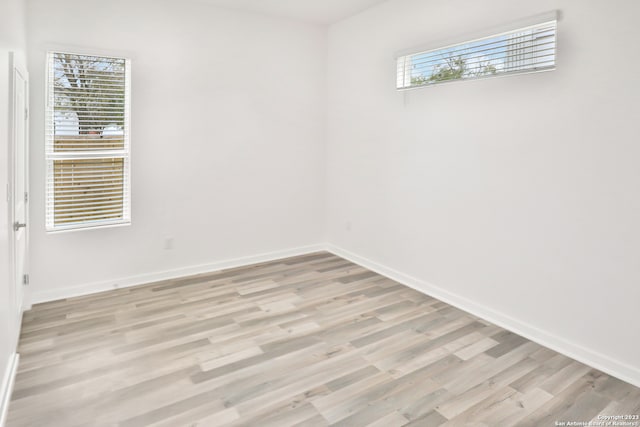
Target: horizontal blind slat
465, 46
471, 65
521, 51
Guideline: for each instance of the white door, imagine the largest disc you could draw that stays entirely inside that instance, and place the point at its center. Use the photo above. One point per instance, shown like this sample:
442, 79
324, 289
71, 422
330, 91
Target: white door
19, 197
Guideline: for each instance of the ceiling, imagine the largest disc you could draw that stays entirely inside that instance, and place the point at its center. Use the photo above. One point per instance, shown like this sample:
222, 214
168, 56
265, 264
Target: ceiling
316, 11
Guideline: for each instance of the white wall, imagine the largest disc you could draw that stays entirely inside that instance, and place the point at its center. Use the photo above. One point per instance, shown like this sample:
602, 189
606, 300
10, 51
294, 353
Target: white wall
12, 39
514, 197
228, 125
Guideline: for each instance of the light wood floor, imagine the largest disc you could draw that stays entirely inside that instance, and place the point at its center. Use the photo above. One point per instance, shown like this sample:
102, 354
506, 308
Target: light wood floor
311, 340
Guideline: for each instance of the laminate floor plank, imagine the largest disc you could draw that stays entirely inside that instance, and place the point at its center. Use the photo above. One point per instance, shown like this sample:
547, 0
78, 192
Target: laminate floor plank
312, 340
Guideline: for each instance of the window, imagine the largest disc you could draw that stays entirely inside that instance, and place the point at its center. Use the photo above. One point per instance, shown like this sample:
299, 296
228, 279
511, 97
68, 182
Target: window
524, 50
87, 141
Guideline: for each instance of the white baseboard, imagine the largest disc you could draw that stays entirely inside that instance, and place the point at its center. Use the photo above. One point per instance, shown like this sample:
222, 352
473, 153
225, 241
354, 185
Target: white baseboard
125, 282
7, 386
582, 354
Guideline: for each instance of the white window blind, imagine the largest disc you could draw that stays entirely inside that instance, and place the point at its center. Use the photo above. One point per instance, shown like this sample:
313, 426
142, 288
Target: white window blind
87, 141
525, 50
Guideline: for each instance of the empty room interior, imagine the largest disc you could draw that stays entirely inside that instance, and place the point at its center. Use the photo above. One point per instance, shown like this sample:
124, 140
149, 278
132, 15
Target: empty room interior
319, 213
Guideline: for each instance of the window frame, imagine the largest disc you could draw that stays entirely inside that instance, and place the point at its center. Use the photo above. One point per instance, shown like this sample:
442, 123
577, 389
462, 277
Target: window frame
51, 155
548, 18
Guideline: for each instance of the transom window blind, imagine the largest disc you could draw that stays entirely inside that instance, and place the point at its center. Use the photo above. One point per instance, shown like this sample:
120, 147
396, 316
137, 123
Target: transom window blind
87, 141
524, 50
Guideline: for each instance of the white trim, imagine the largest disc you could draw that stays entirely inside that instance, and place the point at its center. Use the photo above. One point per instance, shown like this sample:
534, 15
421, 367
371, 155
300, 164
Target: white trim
590, 357
143, 279
7, 386
75, 229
